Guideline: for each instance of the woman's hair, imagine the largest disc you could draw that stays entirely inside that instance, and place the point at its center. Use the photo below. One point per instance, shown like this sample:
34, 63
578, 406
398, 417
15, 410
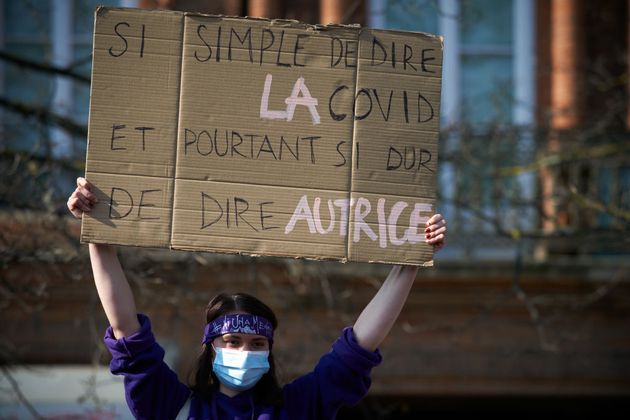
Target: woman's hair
266, 391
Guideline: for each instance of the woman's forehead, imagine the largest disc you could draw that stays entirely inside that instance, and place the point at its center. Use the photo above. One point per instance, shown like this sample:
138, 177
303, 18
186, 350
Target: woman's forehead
242, 336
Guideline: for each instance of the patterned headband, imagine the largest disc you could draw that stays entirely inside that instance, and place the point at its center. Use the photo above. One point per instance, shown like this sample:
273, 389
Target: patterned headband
238, 323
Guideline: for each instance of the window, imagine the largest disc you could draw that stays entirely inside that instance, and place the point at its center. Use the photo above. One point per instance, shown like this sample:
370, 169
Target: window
55, 32
487, 106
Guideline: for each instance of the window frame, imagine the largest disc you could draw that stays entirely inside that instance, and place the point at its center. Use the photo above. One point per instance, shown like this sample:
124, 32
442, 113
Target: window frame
522, 53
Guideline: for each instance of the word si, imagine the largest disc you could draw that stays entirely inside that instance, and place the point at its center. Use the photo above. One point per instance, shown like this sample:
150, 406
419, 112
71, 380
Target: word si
362, 208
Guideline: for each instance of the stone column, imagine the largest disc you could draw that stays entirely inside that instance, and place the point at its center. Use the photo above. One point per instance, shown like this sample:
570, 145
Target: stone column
565, 100
565, 63
335, 11
628, 68
273, 9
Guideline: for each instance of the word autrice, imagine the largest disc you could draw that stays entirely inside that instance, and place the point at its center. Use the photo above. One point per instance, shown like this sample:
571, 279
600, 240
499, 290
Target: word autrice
387, 224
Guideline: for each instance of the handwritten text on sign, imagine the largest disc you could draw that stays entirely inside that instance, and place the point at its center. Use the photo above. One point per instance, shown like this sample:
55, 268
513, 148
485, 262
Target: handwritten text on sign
290, 139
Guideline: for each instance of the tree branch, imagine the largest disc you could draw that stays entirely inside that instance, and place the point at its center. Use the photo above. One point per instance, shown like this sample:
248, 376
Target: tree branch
43, 67
18, 392
43, 115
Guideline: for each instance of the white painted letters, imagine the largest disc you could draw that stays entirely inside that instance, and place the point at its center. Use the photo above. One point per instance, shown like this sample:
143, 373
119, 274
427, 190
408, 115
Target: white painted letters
305, 99
339, 210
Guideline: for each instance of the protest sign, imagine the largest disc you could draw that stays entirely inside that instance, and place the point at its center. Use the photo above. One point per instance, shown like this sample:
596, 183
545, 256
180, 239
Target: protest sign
262, 137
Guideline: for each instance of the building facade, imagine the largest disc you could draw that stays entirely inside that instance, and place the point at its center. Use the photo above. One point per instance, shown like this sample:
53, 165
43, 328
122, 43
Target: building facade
528, 307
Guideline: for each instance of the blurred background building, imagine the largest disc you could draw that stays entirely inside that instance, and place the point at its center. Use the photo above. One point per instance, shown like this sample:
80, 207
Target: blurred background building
528, 309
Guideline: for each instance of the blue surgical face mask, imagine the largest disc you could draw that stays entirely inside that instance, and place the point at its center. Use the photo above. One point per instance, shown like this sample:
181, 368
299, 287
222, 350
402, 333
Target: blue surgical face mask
240, 370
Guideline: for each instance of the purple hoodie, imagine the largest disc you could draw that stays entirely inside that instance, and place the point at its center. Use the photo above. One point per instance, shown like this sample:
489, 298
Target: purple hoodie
342, 377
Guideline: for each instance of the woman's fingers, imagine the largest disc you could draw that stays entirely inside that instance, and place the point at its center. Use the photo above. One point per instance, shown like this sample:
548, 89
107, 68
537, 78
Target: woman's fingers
436, 224
436, 240
86, 204
435, 231
82, 199
436, 218
82, 182
76, 207
84, 187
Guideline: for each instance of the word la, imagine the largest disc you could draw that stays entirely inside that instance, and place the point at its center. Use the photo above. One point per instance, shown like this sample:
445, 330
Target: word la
292, 101
340, 208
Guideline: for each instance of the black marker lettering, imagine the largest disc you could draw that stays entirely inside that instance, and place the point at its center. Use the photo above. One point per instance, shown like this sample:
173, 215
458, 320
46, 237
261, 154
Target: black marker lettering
124, 50
393, 54
144, 129
430, 117
233, 146
248, 37
186, 142
376, 42
263, 216
278, 62
296, 155
266, 150
425, 59
264, 48
297, 48
238, 214
142, 43
413, 161
335, 116
227, 212
216, 144
349, 52
391, 166
334, 41
340, 154
209, 142
113, 203
406, 58
203, 211
424, 162
356, 99
141, 205
199, 28
218, 54
311, 139
389, 104
115, 137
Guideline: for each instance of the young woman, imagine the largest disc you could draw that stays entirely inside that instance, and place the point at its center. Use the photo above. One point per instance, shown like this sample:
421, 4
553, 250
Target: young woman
235, 377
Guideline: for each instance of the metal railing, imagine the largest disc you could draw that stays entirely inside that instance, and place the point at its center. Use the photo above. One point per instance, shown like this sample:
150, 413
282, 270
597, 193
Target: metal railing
567, 194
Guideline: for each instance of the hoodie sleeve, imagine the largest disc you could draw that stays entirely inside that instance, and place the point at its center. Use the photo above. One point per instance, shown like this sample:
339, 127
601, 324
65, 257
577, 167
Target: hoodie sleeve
342, 377
152, 389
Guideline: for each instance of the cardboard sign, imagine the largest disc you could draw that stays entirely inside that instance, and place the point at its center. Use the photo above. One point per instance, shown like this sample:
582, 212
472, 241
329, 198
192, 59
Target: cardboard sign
262, 137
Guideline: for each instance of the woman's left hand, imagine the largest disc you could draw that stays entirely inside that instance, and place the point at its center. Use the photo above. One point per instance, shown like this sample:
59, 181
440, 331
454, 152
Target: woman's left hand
435, 232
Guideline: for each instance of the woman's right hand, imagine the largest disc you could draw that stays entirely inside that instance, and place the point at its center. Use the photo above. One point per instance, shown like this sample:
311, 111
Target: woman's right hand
82, 199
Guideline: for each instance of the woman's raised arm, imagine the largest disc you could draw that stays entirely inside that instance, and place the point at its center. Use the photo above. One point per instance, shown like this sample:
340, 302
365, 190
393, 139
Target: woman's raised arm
111, 284
378, 317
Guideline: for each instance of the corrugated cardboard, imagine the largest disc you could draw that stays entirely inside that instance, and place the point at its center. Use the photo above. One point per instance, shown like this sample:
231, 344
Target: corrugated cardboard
132, 131
264, 137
